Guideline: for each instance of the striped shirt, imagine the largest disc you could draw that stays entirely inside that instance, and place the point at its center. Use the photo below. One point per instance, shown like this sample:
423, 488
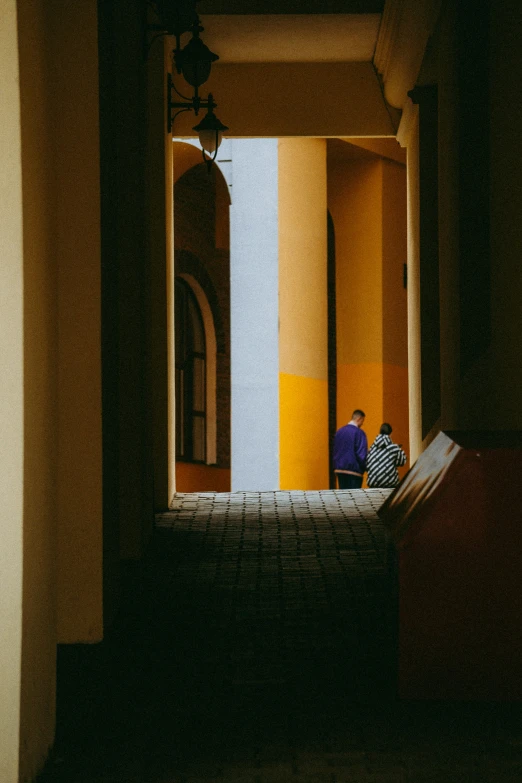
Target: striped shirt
382, 461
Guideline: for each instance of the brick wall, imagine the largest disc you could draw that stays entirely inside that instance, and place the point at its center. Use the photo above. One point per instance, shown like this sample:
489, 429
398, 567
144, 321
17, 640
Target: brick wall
196, 254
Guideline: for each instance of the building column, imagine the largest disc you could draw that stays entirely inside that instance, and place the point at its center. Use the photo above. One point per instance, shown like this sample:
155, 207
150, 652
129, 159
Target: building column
254, 315
408, 136
426, 98
11, 397
303, 320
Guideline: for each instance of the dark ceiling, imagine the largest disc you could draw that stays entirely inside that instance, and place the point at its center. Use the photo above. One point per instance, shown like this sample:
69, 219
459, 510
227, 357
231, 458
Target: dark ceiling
290, 6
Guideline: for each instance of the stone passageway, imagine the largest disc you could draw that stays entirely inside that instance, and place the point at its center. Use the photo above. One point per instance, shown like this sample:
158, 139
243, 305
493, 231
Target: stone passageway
258, 646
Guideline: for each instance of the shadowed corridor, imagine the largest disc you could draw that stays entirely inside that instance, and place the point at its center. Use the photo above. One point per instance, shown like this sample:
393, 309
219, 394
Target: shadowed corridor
258, 644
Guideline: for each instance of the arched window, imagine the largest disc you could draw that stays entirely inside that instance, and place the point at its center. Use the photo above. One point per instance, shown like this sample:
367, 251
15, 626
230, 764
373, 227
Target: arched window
190, 376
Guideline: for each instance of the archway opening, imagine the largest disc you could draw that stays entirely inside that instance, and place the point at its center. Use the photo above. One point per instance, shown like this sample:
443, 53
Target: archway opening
310, 334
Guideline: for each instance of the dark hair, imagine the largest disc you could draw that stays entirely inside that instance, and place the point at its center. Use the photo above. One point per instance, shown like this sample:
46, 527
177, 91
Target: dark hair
358, 414
386, 429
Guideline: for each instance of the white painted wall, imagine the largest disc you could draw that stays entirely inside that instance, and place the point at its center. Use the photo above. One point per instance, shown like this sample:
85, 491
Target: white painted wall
254, 315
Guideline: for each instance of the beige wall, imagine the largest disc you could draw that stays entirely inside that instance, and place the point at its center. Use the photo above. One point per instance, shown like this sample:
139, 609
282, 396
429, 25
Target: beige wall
303, 386
11, 396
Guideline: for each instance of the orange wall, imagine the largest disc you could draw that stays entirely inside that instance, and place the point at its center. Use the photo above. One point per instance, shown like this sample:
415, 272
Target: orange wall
303, 387
191, 477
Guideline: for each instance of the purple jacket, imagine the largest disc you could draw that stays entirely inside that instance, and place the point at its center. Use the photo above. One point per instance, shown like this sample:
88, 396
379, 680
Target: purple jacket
350, 449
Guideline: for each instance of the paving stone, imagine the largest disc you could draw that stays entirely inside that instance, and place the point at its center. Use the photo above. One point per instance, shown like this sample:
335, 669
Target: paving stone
257, 646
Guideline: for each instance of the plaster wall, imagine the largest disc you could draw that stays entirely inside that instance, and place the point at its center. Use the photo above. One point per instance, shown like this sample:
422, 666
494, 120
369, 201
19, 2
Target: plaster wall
303, 384
53, 175
254, 284
244, 91
76, 248
355, 203
11, 396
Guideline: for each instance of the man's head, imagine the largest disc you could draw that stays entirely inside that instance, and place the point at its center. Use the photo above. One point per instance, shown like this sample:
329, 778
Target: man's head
386, 429
358, 417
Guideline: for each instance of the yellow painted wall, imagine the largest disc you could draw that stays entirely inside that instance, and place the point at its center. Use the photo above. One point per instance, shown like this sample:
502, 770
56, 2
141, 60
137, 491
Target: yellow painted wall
76, 246
11, 396
51, 215
367, 201
191, 477
303, 389
245, 91
41, 422
355, 203
394, 302
356, 382
303, 432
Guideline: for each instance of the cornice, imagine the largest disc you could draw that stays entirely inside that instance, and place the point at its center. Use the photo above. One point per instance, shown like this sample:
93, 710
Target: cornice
406, 26
388, 33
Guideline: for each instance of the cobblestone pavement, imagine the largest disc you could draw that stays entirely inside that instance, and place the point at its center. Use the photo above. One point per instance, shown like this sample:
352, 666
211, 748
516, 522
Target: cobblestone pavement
258, 646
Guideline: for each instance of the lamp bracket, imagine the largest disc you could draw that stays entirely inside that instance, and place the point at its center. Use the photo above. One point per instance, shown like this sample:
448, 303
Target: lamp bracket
188, 104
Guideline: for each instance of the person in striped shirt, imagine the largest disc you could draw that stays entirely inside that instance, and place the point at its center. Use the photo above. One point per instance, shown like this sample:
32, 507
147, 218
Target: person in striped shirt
383, 459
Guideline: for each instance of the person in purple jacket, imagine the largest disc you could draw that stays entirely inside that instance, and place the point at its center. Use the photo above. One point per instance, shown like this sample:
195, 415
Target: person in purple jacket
349, 452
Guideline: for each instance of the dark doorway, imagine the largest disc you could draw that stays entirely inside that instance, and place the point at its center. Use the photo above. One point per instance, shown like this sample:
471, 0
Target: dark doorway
332, 343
